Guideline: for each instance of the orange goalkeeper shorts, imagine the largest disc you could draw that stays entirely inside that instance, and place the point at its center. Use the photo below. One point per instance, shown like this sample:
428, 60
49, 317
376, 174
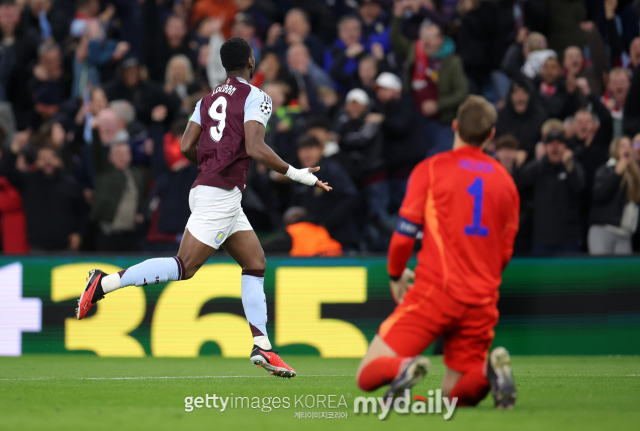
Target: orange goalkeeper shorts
428, 313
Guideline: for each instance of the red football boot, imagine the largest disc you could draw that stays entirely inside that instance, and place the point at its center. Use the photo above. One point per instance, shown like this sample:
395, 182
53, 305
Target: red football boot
270, 361
90, 296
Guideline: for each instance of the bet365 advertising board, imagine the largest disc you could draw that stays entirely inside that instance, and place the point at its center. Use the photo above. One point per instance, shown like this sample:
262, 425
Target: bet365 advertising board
330, 307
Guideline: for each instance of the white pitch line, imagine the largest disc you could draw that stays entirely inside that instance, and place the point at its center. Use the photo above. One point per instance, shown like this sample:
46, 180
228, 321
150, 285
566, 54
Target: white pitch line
267, 377
168, 377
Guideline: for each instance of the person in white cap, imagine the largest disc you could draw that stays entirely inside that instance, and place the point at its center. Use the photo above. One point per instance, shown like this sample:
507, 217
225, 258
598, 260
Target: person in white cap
404, 140
360, 154
389, 81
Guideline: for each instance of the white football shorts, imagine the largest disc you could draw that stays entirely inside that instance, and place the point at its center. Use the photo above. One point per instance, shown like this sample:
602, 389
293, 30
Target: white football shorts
216, 214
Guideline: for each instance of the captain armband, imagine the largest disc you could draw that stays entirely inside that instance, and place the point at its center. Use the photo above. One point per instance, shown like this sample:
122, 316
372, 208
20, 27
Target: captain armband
407, 228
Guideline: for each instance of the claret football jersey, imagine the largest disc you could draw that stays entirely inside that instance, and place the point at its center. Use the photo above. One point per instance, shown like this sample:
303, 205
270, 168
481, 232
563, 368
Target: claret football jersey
222, 158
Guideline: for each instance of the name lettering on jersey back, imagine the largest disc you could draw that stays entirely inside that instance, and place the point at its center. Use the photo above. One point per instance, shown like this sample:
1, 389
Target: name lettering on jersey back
226, 88
476, 166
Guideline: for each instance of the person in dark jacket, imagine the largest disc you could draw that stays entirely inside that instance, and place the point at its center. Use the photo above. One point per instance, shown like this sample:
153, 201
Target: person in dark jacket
556, 93
616, 194
521, 116
332, 210
403, 130
556, 181
52, 199
120, 191
360, 139
361, 155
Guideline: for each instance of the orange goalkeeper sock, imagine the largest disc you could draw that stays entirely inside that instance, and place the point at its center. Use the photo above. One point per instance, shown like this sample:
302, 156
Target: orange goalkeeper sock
379, 372
471, 388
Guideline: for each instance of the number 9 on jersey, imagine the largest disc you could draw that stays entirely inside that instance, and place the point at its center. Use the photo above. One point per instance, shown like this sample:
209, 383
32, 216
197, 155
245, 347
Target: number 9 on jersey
216, 132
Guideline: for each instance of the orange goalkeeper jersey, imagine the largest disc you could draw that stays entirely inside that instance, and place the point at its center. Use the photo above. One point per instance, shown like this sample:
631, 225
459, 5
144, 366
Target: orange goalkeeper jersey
468, 207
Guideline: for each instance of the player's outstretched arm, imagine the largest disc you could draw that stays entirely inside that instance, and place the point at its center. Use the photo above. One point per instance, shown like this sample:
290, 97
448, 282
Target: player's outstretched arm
256, 149
189, 143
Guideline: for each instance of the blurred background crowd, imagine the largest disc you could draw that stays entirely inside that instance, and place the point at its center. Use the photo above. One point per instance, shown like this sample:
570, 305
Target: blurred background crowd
95, 96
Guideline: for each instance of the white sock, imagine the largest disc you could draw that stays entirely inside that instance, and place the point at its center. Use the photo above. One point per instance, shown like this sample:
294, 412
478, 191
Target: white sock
255, 308
152, 271
262, 341
111, 282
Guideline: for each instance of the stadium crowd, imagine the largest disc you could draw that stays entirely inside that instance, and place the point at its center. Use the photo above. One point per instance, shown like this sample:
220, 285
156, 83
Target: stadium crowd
95, 96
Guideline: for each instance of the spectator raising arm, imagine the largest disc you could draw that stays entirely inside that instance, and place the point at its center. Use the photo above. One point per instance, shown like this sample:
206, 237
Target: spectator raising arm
99, 154
401, 45
605, 131
215, 72
8, 159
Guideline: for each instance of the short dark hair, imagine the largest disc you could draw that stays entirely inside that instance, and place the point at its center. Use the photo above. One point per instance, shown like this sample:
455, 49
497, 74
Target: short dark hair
306, 141
235, 53
476, 119
507, 141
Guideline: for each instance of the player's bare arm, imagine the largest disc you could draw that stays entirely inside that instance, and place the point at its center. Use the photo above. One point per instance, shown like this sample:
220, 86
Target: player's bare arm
256, 149
189, 143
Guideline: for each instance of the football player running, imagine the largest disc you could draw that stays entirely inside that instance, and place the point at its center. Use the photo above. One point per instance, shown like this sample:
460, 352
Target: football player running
224, 133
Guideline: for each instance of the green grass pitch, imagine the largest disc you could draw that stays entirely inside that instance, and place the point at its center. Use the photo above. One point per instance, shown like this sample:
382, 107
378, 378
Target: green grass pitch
63, 392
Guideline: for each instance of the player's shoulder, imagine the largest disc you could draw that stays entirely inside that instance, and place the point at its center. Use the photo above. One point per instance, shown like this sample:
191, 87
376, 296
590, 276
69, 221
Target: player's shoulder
258, 105
432, 164
253, 92
424, 167
259, 97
